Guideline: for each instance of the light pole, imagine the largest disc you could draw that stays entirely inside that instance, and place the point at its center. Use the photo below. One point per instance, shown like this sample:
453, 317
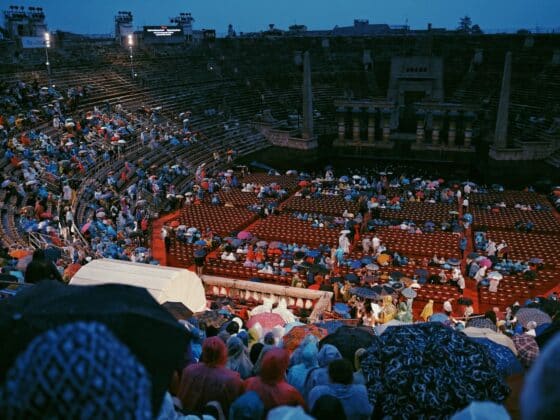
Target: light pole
130, 44
47, 46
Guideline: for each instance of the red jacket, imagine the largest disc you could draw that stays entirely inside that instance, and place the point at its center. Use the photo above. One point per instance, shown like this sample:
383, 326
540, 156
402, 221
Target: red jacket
210, 380
271, 387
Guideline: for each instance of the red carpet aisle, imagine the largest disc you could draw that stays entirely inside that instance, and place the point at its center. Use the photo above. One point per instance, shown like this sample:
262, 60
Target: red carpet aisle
158, 247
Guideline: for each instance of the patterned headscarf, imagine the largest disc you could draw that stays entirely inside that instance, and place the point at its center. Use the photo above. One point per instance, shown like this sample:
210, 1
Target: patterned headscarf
78, 370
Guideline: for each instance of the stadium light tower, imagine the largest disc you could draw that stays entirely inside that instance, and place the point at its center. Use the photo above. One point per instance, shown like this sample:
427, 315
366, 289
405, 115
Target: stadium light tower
130, 41
47, 46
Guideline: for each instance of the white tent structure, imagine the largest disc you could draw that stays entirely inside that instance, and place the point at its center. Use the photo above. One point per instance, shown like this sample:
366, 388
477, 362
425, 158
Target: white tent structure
165, 284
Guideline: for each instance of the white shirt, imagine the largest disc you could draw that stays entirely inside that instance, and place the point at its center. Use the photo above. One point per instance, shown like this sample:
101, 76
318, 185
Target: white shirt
447, 306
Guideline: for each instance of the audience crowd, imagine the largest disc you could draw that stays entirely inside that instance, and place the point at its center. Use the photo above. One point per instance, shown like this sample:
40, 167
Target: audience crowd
83, 187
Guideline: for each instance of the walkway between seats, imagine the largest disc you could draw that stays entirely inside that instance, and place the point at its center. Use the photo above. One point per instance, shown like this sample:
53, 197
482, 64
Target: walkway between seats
158, 247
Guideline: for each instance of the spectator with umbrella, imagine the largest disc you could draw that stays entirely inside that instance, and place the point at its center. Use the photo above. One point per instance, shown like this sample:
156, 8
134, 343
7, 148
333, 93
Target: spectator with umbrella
130, 313
77, 357
417, 366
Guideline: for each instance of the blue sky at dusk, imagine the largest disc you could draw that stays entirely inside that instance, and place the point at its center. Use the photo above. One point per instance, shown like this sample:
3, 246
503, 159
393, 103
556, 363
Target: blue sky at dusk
96, 16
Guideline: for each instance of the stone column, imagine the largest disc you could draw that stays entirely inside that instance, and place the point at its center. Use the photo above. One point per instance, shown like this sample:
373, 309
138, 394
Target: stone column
420, 122
307, 98
500, 136
386, 124
452, 133
356, 124
437, 117
341, 114
469, 118
371, 125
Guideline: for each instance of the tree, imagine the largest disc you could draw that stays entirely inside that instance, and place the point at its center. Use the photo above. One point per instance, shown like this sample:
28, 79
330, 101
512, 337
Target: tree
475, 30
465, 24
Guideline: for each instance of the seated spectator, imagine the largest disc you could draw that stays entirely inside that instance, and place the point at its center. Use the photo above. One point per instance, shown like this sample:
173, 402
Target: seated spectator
270, 385
354, 398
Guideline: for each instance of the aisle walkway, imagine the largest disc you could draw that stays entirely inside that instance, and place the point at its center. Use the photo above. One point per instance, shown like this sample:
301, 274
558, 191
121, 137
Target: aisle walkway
158, 247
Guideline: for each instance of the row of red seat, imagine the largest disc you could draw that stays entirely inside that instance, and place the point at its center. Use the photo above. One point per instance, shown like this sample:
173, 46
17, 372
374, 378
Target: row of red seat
325, 204
524, 246
421, 212
505, 218
511, 198
222, 220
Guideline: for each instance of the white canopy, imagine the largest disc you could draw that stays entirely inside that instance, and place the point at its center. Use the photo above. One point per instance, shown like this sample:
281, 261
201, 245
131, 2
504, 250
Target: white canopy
165, 284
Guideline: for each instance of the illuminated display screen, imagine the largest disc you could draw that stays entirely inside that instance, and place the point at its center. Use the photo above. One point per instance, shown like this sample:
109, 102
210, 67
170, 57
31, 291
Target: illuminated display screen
163, 31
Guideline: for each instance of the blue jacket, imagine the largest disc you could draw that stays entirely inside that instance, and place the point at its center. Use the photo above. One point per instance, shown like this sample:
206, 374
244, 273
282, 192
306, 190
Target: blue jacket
354, 399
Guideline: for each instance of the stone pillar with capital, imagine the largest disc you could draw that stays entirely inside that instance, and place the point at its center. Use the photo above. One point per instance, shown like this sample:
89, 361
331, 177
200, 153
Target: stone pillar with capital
420, 121
356, 124
371, 125
469, 118
341, 114
452, 133
386, 124
437, 117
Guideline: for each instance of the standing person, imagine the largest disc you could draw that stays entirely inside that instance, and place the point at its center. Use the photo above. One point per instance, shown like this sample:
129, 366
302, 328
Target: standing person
166, 238
465, 205
461, 284
491, 248
344, 242
463, 245
375, 243
199, 259
270, 384
447, 307
366, 245
209, 380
